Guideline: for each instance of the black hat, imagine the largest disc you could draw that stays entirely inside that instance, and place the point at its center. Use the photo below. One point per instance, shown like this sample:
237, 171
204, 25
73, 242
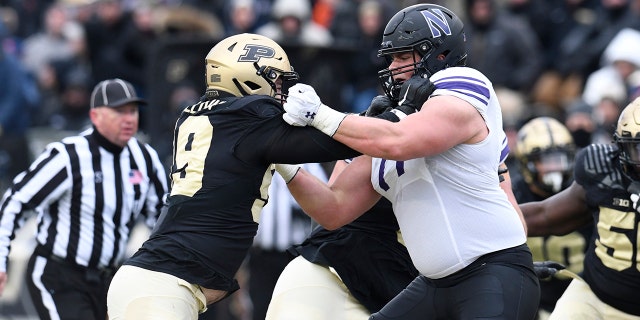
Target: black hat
114, 93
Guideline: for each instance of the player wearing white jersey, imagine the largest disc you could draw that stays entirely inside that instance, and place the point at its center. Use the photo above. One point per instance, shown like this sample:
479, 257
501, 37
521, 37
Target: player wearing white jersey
451, 183
438, 168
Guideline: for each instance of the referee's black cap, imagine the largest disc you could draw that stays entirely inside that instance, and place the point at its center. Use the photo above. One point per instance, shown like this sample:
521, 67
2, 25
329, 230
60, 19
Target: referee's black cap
114, 93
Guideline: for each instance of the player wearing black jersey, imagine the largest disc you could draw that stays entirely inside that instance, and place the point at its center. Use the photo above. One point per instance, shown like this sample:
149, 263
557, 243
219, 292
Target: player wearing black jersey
224, 150
605, 192
545, 151
347, 273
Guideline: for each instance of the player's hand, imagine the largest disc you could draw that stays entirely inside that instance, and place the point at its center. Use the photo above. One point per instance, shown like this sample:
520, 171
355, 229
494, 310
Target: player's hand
546, 269
304, 108
301, 106
413, 93
379, 105
634, 190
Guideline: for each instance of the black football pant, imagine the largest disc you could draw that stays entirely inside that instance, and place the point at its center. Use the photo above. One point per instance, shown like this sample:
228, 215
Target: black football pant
69, 292
487, 289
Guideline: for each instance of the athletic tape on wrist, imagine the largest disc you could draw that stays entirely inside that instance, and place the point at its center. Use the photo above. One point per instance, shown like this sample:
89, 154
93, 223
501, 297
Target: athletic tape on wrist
328, 120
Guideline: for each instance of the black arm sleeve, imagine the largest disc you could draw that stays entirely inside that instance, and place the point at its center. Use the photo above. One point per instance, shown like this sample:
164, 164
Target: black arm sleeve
288, 144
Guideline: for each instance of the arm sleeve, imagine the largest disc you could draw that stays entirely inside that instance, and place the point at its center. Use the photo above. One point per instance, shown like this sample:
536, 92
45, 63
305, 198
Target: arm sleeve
283, 143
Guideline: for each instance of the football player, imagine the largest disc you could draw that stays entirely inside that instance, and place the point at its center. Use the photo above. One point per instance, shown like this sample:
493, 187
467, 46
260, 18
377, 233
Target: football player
224, 148
605, 192
545, 152
437, 166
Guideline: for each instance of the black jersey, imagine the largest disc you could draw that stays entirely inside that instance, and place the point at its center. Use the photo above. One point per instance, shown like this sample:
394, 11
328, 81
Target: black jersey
568, 249
222, 167
611, 268
366, 254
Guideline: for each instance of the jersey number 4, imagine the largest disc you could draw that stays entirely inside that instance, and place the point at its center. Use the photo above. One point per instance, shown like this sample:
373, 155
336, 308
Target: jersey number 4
191, 147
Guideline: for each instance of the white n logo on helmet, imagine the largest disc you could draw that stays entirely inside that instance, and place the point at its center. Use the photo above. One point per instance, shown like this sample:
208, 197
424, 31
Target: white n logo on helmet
437, 22
253, 53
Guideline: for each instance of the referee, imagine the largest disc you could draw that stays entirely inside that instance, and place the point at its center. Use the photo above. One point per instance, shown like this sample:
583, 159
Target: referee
88, 192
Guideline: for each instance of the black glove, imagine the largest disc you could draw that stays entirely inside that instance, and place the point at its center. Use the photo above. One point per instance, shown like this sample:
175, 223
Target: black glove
546, 269
413, 93
379, 105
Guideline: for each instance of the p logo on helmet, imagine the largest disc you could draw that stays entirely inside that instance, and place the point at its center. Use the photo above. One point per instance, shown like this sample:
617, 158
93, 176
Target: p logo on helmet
254, 52
247, 64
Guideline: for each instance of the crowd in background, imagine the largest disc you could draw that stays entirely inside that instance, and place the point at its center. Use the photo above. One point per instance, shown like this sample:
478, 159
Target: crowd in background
573, 60
552, 57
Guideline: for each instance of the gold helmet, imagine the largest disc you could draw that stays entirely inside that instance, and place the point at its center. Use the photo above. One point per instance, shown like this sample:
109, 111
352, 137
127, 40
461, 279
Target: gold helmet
247, 64
627, 137
545, 150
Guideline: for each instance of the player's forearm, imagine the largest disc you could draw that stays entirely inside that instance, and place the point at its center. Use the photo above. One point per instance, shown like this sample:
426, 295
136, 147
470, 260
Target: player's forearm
375, 137
534, 216
317, 200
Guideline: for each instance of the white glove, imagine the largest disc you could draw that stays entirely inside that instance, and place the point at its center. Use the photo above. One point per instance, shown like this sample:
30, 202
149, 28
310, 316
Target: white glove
634, 194
304, 108
287, 171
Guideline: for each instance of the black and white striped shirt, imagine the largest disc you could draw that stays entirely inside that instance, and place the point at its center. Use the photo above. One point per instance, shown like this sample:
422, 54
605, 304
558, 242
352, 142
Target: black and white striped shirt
88, 195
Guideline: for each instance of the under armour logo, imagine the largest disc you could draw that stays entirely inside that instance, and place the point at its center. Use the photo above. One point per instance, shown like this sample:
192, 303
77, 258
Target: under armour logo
311, 115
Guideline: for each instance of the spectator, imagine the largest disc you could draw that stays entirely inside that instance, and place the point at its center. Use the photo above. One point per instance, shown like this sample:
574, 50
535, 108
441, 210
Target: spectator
614, 85
346, 25
74, 104
105, 31
552, 21
51, 54
579, 120
62, 39
19, 100
619, 76
583, 46
292, 25
502, 46
88, 192
365, 61
240, 17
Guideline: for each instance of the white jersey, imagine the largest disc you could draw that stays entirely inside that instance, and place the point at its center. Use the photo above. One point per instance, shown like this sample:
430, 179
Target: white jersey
450, 206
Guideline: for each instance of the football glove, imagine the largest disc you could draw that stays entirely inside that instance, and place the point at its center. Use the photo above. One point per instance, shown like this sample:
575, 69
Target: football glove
634, 190
413, 93
546, 269
304, 108
379, 105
